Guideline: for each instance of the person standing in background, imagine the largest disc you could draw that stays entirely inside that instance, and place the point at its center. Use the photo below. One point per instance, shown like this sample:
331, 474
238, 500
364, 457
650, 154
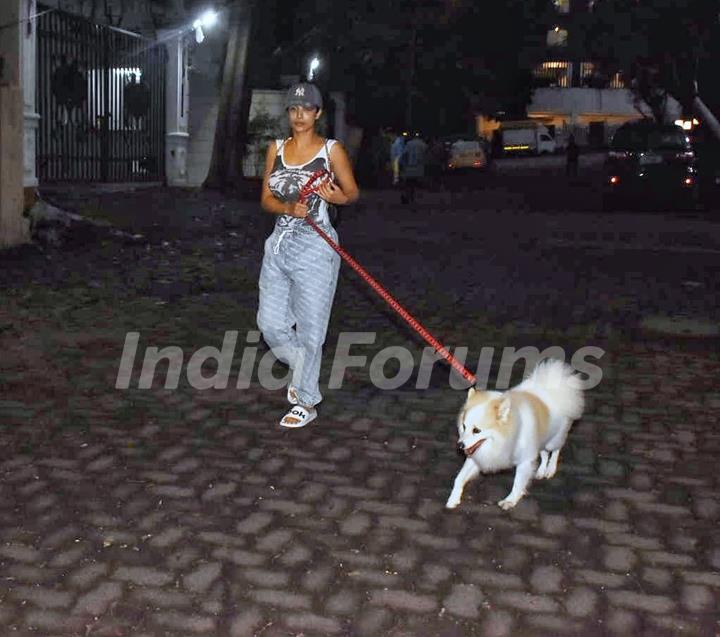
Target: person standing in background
412, 168
573, 156
396, 152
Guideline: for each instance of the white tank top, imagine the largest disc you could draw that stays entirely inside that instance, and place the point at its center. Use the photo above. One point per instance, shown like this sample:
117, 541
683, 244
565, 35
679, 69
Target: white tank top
286, 180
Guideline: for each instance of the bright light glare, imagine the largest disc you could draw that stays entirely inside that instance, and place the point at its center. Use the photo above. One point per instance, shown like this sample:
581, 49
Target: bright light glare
686, 124
314, 64
209, 19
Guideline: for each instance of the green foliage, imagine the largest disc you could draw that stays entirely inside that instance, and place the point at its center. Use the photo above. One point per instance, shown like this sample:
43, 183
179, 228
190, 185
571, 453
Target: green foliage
262, 128
450, 58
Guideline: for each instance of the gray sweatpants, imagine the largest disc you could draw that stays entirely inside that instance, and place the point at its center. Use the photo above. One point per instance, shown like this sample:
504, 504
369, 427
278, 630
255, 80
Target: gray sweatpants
297, 286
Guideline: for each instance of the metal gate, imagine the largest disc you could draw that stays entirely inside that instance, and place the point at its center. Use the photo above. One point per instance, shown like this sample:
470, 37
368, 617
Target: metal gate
101, 99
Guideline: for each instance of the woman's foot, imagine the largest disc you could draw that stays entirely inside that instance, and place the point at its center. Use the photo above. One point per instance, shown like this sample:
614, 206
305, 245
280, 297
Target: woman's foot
298, 416
292, 395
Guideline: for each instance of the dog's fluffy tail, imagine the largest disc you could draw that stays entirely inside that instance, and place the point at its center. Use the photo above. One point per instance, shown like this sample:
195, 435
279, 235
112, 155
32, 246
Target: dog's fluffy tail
558, 380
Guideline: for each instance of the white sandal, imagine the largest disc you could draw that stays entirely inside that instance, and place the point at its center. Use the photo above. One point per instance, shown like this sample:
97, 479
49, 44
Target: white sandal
292, 395
298, 416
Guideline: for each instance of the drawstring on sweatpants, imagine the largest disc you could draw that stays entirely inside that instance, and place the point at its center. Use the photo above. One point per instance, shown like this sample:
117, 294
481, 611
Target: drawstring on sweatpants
276, 248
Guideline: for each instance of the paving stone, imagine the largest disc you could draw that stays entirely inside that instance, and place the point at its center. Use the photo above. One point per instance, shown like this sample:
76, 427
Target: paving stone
202, 578
97, 601
167, 538
622, 622
660, 578
239, 557
497, 623
371, 622
50, 621
246, 622
553, 624
403, 600
619, 558
281, 599
581, 602
546, 579
142, 576
312, 622
42, 597
527, 602
642, 602
464, 600
254, 523
697, 598
707, 578
667, 559
161, 598
87, 575
195, 624
20, 553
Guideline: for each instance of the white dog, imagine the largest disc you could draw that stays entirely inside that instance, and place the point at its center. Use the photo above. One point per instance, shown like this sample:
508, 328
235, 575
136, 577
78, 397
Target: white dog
500, 430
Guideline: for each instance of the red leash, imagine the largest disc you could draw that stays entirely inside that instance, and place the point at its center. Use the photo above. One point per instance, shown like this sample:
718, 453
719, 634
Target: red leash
312, 185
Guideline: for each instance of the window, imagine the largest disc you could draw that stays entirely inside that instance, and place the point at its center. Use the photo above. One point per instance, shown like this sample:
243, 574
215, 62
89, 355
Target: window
562, 6
552, 74
557, 37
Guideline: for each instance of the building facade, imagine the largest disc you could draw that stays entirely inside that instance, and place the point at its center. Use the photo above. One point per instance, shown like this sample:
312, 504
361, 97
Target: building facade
573, 94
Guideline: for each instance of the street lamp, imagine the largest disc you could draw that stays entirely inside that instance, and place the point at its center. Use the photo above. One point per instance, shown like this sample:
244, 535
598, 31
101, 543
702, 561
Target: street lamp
314, 64
207, 20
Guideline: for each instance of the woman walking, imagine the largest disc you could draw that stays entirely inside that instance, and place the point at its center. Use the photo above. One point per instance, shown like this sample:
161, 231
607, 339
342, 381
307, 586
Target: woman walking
299, 270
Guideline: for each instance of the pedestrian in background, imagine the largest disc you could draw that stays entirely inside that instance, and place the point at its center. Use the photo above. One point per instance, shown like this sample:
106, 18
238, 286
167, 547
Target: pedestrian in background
412, 168
396, 153
572, 157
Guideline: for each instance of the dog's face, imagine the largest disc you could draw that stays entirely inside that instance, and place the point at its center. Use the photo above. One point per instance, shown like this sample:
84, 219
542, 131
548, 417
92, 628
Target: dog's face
484, 421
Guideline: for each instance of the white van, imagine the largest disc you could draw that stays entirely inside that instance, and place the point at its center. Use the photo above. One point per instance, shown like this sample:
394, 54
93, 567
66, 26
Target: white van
534, 139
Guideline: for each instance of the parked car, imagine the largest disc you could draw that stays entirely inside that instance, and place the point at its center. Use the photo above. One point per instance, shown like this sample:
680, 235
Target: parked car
467, 154
650, 161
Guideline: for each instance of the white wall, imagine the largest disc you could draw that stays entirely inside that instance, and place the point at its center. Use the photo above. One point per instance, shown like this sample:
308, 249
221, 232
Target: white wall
591, 101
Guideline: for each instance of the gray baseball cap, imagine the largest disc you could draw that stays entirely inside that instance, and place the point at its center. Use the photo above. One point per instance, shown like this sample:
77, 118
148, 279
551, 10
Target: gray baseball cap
304, 94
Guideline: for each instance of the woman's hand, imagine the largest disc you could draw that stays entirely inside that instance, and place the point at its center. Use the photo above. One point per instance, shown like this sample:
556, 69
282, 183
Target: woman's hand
332, 193
297, 209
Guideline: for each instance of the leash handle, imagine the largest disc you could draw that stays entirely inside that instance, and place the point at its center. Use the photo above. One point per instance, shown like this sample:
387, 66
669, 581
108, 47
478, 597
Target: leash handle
305, 191
313, 184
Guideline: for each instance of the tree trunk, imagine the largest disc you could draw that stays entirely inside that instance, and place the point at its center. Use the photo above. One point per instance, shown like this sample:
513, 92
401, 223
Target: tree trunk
707, 116
234, 101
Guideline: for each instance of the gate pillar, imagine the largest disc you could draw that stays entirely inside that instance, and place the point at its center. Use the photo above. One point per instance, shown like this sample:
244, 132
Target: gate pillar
176, 105
28, 36
14, 228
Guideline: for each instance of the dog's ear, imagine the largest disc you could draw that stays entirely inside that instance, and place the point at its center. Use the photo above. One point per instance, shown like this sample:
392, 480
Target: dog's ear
471, 392
502, 407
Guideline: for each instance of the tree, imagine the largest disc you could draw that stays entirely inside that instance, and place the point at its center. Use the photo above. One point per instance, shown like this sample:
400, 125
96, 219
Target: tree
234, 101
433, 65
662, 47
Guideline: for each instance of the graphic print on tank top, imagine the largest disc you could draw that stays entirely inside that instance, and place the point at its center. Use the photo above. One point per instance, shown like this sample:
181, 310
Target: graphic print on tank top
285, 183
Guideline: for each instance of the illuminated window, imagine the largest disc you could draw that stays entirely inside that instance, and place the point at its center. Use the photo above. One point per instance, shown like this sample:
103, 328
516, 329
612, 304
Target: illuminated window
553, 74
557, 37
562, 6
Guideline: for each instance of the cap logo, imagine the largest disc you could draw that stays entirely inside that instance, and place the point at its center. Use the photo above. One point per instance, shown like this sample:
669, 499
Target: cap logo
300, 91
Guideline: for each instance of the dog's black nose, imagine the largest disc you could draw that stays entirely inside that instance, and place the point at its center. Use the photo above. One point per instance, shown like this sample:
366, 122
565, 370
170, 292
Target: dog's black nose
461, 446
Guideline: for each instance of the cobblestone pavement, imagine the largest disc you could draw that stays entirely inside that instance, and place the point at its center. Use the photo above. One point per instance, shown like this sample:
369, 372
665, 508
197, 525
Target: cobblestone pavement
188, 512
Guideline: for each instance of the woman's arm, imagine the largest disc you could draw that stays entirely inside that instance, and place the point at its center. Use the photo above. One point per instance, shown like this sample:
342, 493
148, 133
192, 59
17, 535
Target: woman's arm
346, 191
269, 202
